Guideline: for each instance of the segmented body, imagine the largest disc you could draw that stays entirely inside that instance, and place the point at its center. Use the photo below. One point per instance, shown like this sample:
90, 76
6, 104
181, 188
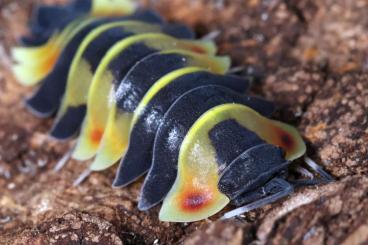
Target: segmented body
144, 91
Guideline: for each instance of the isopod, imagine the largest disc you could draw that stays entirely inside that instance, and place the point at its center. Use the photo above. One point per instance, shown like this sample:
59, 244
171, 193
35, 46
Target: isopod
132, 87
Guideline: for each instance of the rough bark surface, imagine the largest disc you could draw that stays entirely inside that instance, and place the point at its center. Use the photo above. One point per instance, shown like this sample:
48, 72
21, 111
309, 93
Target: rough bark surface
310, 57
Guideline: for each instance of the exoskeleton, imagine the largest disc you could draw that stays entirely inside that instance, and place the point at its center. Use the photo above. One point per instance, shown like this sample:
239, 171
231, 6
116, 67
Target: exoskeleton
132, 87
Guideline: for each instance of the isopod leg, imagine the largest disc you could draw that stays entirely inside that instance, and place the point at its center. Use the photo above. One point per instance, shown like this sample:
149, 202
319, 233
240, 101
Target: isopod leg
235, 70
275, 189
84, 175
211, 36
63, 161
313, 165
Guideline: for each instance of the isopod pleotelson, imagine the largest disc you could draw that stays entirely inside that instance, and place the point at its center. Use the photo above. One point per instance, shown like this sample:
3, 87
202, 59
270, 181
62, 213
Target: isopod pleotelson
135, 88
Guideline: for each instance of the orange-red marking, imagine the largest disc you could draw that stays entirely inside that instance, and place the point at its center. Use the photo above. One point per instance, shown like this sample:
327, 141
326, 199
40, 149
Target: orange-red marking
286, 140
50, 62
198, 49
195, 200
96, 135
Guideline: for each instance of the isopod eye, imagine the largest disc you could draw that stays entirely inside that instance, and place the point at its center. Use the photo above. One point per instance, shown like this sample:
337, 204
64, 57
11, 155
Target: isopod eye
198, 165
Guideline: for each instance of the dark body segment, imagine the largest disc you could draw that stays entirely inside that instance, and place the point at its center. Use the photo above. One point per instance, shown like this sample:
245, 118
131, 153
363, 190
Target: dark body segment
47, 19
230, 139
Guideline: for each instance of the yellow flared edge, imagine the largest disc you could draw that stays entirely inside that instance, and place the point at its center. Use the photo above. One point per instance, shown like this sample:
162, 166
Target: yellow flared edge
94, 123
32, 55
114, 140
85, 149
35, 55
26, 77
112, 7
198, 169
32, 64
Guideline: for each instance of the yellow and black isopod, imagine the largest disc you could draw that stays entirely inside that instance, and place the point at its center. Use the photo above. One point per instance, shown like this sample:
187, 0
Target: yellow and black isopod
135, 88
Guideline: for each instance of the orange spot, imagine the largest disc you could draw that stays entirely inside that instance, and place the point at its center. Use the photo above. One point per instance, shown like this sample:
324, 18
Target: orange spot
193, 201
50, 62
198, 50
96, 135
286, 141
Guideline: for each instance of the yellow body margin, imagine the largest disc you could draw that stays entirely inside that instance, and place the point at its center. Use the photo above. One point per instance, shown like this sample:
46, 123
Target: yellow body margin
32, 64
112, 7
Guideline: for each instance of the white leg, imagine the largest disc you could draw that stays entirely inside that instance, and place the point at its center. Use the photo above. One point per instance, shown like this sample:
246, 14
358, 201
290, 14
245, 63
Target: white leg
286, 190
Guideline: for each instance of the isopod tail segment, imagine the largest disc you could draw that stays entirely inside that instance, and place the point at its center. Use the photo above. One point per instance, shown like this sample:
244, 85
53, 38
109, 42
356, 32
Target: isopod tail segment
206, 182
47, 20
138, 81
85, 63
32, 64
47, 98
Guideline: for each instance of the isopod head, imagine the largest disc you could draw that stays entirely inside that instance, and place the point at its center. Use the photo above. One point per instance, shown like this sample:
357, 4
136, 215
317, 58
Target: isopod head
195, 194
